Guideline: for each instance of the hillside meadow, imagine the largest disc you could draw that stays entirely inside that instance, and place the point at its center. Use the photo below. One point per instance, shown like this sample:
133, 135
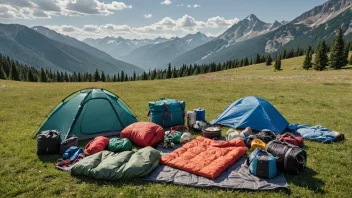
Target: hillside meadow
306, 97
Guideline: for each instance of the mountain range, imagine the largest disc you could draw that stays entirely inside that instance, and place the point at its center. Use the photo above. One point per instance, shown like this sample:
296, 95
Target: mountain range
119, 46
148, 53
42, 47
56, 52
159, 55
251, 36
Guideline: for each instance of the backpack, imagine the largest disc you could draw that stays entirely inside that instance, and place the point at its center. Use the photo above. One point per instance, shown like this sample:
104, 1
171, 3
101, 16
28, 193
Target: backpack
48, 142
98, 144
290, 158
265, 135
66, 144
262, 164
167, 112
292, 139
119, 145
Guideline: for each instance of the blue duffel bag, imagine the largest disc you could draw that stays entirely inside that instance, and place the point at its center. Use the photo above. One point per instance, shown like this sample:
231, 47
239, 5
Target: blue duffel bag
262, 164
167, 112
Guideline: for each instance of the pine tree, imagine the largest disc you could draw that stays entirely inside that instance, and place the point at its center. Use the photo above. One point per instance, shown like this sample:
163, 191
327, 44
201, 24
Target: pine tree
79, 77
246, 62
42, 76
346, 52
277, 64
14, 74
74, 77
103, 76
90, 77
284, 55
169, 74
321, 57
268, 60
308, 60
122, 76
58, 77
257, 61
134, 75
114, 78
2, 72
96, 76
66, 77
30, 76
337, 54
126, 77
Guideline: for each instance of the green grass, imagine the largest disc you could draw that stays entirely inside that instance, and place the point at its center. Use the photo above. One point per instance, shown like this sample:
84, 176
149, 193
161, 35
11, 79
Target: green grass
306, 97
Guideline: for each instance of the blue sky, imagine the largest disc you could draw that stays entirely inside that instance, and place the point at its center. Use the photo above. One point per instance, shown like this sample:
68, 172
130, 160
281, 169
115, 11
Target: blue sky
146, 18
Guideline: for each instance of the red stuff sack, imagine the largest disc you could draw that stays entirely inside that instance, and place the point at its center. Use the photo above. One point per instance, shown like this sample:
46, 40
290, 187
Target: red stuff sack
98, 144
292, 139
143, 133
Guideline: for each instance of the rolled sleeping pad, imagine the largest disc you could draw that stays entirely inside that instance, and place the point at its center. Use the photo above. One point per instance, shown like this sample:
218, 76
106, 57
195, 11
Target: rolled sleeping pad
200, 114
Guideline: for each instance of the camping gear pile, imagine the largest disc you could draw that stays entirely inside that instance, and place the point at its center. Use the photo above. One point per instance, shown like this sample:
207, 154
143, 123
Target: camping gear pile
196, 119
148, 151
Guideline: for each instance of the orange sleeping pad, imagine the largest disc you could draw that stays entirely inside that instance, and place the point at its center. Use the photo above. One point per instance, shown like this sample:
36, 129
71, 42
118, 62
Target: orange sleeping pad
206, 157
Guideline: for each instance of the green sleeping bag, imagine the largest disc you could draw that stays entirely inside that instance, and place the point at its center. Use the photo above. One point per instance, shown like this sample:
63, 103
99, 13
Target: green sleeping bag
107, 165
119, 145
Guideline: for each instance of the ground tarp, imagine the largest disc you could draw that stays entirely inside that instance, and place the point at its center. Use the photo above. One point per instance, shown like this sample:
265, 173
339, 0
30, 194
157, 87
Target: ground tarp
236, 176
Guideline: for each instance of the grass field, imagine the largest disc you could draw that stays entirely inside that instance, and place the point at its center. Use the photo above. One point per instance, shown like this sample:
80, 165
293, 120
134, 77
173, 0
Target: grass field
306, 97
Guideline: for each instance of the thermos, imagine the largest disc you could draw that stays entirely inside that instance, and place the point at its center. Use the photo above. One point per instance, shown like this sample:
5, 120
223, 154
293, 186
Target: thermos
200, 114
191, 118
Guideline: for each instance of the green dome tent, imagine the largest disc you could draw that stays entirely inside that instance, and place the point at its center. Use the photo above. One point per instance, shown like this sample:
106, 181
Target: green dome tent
89, 113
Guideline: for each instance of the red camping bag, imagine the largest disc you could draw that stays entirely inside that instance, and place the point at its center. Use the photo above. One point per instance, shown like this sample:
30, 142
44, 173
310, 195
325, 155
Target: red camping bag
98, 144
292, 139
143, 133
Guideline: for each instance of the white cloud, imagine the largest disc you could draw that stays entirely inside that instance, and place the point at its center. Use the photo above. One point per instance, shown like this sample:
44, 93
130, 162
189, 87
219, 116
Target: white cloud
218, 21
9, 12
90, 28
166, 2
117, 6
147, 16
94, 7
47, 5
166, 27
32, 9
193, 6
39, 13
68, 28
180, 5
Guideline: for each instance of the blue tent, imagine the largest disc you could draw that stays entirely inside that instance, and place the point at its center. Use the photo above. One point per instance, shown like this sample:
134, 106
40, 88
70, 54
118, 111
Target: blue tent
253, 112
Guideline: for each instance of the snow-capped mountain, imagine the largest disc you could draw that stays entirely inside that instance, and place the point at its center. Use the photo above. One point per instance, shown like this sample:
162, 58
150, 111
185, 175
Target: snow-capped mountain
251, 36
119, 46
158, 55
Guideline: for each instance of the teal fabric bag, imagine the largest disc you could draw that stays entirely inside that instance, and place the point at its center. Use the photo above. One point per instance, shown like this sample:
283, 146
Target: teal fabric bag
167, 112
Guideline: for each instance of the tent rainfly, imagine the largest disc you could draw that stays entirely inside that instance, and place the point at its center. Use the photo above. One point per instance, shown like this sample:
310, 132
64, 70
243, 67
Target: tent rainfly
89, 113
253, 112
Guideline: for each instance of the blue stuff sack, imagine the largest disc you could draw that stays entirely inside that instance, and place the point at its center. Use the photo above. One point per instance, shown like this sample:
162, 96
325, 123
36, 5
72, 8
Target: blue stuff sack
262, 164
167, 112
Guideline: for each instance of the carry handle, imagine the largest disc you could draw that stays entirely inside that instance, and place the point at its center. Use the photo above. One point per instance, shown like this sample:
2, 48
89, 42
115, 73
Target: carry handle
259, 150
173, 129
